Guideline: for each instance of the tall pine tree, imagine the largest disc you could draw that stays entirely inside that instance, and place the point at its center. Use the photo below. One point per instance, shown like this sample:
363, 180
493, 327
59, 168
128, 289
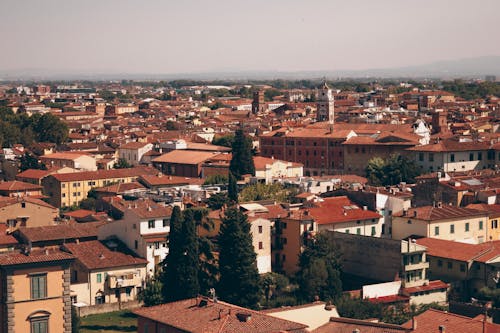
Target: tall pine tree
232, 189
170, 275
242, 160
188, 285
239, 277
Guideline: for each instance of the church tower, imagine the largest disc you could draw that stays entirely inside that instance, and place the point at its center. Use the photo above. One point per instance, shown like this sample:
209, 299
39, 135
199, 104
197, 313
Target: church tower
325, 105
258, 103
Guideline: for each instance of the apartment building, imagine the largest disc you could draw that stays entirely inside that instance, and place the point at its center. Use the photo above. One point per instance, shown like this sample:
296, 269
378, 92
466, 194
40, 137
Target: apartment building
71, 188
35, 291
133, 152
26, 212
79, 161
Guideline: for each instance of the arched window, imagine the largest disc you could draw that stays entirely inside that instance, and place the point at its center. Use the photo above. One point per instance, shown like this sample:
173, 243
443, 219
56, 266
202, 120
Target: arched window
39, 321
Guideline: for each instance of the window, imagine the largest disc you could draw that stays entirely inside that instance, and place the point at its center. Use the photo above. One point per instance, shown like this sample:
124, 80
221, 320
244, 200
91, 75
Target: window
480, 225
421, 157
40, 325
467, 227
38, 286
471, 156
63, 185
450, 265
157, 245
494, 224
128, 291
431, 157
373, 231
452, 157
261, 245
440, 263
23, 204
260, 229
436, 231
462, 267
480, 156
136, 244
347, 231
452, 228
99, 299
151, 224
165, 223
358, 231
63, 195
99, 277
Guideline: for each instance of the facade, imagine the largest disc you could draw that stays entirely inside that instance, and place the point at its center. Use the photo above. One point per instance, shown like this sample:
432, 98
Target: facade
143, 228
35, 292
102, 275
69, 189
268, 169
133, 152
26, 212
77, 161
183, 163
493, 211
20, 189
442, 222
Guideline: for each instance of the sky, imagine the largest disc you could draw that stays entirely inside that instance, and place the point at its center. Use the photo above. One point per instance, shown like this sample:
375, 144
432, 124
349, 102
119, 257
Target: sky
190, 36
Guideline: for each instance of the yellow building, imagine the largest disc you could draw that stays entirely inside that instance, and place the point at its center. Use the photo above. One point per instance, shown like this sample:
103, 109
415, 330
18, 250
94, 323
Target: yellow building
26, 212
493, 219
35, 292
71, 188
443, 222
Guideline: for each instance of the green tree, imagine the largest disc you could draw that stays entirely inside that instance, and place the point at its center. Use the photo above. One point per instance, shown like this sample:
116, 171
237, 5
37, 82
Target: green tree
188, 285
319, 270
152, 293
392, 171
49, 128
232, 189
29, 161
242, 160
261, 191
216, 179
122, 164
170, 271
88, 204
217, 200
239, 277
375, 171
225, 140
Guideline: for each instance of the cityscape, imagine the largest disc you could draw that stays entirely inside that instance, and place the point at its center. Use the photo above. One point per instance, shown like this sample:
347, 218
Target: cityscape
290, 166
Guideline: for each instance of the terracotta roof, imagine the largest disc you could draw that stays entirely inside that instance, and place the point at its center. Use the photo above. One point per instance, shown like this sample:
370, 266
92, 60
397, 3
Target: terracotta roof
133, 145
5, 239
348, 325
7, 201
35, 256
432, 285
389, 299
144, 208
104, 174
261, 162
493, 210
80, 213
430, 320
60, 232
63, 156
162, 180
95, 255
451, 145
120, 187
200, 315
34, 174
15, 185
185, 157
460, 251
339, 210
431, 213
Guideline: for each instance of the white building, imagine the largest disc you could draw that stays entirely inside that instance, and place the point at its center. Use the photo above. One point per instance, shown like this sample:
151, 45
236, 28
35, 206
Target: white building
133, 152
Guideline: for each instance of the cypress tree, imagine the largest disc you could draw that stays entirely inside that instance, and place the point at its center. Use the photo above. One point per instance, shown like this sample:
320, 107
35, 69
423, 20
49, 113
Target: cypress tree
232, 190
188, 285
242, 160
239, 277
170, 275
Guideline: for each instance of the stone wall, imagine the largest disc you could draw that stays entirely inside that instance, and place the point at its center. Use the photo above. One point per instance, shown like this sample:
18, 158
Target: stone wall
107, 307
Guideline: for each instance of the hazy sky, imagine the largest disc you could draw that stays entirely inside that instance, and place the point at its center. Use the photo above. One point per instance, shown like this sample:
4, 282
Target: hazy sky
167, 36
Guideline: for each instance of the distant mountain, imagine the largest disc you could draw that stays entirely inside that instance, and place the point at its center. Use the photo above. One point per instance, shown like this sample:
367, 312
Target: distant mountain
446, 69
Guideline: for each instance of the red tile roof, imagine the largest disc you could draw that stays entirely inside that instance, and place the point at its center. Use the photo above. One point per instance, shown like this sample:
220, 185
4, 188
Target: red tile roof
430, 320
162, 180
35, 256
8, 201
200, 315
185, 157
144, 208
95, 255
431, 213
60, 232
348, 325
432, 285
460, 251
105, 174
339, 210
15, 185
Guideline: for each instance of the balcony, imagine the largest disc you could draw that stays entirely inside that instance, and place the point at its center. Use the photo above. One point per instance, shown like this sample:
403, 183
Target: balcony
123, 280
416, 266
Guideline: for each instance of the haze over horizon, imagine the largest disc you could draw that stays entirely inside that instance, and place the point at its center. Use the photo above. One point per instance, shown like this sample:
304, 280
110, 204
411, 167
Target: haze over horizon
230, 36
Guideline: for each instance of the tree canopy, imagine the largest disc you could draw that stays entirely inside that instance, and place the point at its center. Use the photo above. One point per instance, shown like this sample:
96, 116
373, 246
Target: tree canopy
392, 171
242, 160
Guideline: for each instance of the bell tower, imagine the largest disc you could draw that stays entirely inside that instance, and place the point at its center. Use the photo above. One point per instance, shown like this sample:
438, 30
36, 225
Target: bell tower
325, 105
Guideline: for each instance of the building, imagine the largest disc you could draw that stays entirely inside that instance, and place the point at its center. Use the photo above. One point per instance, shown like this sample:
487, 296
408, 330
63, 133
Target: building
325, 109
493, 210
258, 103
26, 212
349, 325
35, 291
197, 315
269, 169
183, 163
442, 222
143, 228
105, 272
467, 267
70, 189
17, 188
72, 160
133, 152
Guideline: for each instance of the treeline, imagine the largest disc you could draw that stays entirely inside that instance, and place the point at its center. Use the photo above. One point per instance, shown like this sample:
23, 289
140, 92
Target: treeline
24, 129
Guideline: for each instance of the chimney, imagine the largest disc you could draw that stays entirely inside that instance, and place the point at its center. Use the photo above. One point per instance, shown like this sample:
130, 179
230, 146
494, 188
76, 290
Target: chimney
413, 323
442, 329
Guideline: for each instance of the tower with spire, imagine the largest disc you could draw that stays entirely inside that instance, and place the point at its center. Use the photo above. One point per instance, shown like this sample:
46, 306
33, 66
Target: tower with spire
325, 105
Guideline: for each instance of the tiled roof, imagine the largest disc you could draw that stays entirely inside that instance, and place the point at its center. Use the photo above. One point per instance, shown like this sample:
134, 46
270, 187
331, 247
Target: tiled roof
339, 210
144, 208
7, 201
185, 157
451, 145
261, 162
200, 315
431, 213
60, 232
33, 174
151, 180
5, 239
120, 187
63, 156
133, 145
460, 251
95, 255
16, 185
104, 174
34, 256
348, 325
430, 320
432, 285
